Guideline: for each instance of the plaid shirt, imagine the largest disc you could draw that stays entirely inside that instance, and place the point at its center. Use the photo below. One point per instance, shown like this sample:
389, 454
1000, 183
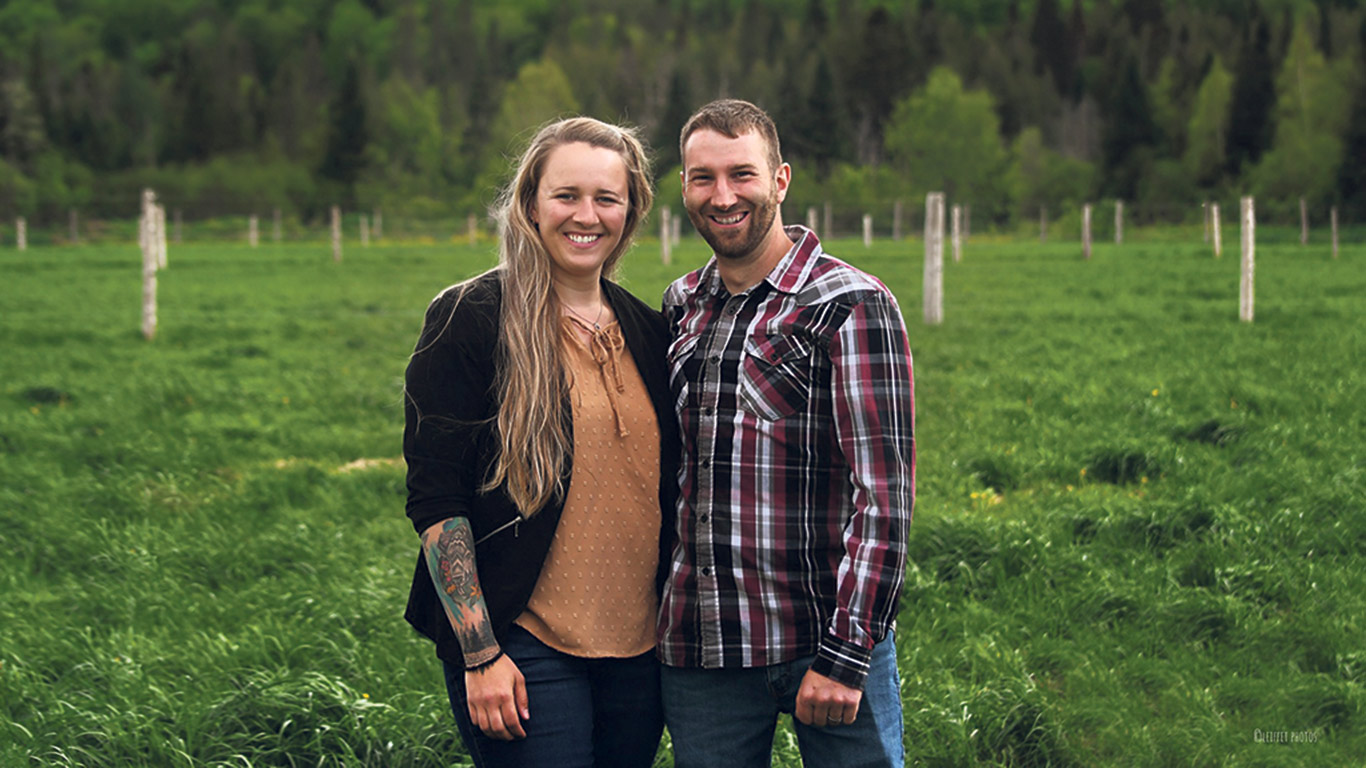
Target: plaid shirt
798, 475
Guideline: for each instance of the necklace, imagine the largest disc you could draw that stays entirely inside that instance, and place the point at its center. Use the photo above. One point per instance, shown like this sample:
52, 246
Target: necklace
594, 322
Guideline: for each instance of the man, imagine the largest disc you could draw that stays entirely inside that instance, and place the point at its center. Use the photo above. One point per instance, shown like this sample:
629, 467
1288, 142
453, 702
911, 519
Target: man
792, 376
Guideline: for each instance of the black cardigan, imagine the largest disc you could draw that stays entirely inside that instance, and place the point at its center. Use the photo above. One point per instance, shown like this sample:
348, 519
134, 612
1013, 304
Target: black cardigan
450, 386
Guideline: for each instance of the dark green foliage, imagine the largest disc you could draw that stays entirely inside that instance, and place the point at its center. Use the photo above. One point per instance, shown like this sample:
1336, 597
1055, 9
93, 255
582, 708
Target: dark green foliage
1120, 465
1254, 98
346, 138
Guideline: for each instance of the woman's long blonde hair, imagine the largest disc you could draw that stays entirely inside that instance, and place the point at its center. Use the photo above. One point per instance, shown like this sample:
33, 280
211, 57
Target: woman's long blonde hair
534, 435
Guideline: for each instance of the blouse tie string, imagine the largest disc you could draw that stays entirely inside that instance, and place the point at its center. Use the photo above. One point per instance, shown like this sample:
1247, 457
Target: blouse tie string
606, 349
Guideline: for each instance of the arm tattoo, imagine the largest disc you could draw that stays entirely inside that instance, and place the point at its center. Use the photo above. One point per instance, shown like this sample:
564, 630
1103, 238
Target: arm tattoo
450, 558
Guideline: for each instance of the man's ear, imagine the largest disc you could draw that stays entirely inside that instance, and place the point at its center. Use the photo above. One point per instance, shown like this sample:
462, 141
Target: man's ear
783, 179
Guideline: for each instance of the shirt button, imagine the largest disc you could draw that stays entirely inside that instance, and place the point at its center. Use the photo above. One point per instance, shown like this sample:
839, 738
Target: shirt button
708, 410
704, 517
714, 359
706, 570
734, 310
706, 463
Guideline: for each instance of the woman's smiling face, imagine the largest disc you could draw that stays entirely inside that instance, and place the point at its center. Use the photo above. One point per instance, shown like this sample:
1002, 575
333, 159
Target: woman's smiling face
581, 206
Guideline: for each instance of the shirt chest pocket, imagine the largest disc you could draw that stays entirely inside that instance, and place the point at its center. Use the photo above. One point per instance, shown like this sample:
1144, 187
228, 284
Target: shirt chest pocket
775, 376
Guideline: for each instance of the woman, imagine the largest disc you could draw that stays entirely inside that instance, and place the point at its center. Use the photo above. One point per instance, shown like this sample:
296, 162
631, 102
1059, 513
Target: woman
540, 441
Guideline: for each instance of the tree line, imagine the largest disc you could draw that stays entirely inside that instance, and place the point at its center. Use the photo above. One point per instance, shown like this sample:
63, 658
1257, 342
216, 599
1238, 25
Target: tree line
416, 105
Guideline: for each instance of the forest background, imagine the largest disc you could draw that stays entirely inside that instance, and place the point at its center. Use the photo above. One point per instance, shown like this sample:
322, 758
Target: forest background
413, 106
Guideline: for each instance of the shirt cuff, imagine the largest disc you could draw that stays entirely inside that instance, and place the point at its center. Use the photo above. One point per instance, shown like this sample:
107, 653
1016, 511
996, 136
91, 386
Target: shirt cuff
842, 661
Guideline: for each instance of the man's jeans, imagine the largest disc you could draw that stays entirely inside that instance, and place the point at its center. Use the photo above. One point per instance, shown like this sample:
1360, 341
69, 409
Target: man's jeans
585, 713
725, 718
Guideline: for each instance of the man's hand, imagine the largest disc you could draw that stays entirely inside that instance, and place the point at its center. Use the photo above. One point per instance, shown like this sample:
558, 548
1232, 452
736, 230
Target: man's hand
497, 700
824, 703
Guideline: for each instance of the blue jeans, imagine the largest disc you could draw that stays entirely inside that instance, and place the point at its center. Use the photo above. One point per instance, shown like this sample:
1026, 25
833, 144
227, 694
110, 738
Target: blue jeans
725, 718
585, 713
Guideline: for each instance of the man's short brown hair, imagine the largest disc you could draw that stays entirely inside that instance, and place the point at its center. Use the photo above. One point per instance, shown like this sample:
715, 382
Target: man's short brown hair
734, 118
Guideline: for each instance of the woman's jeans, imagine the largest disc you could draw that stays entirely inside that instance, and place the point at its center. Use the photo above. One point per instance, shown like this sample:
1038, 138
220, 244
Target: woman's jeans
585, 713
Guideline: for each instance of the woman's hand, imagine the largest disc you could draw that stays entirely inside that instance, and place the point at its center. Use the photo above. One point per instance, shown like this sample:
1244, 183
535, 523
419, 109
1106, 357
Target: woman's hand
496, 696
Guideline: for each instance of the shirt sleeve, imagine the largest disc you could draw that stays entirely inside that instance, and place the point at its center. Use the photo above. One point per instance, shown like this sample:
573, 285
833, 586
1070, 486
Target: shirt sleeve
446, 403
874, 409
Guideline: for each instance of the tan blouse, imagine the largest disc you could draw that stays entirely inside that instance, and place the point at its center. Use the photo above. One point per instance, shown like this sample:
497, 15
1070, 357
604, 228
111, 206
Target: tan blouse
596, 593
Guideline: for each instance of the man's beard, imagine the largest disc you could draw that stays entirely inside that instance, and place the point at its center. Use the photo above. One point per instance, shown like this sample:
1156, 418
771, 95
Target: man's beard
743, 242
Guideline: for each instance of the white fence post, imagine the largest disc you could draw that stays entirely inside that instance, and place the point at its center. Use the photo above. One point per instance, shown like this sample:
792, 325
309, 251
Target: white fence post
677, 233
364, 231
21, 234
829, 231
379, 224
1245, 292
472, 226
1333, 220
179, 221
74, 222
957, 233
896, 220
1204, 218
867, 230
1304, 222
1119, 222
146, 239
1217, 229
665, 236
336, 234
934, 258
811, 219
253, 231
1086, 231
275, 228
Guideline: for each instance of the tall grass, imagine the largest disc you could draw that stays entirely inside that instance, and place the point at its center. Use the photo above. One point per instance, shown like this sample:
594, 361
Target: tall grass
1138, 536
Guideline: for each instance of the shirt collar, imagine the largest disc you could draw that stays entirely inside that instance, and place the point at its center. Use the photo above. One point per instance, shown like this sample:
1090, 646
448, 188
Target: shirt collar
788, 275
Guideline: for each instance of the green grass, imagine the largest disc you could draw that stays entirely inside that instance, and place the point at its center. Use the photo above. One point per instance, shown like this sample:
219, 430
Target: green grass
1138, 526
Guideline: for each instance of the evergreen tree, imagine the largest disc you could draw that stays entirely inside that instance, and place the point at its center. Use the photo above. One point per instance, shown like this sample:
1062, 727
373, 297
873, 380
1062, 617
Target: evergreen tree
1249, 129
1130, 134
677, 109
347, 137
1052, 52
1352, 172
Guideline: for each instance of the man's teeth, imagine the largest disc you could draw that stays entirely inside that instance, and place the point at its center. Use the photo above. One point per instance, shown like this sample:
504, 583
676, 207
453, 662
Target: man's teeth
585, 239
732, 219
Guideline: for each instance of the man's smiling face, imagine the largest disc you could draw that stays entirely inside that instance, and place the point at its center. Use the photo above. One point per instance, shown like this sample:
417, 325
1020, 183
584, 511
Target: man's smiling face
730, 192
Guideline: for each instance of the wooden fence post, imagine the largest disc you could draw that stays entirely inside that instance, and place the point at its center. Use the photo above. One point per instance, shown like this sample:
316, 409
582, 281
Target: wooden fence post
472, 225
665, 236
1245, 292
957, 233
21, 233
1043, 224
811, 219
896, 220
867, 230
1304, 222
934, 258
1086, 231
364, 231
379, 224
146, 235
829, 231
179, 221
161, 236
1119, 222
1204, 218
276, 231
1333, 217
253, 231
677, 233
1217, 228
336, 234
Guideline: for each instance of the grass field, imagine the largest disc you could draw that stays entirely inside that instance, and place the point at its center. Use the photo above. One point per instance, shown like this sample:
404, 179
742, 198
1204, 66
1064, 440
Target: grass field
1139, 536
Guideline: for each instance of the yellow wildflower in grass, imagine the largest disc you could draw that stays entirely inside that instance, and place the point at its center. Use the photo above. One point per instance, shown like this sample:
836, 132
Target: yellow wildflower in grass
1155, 392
